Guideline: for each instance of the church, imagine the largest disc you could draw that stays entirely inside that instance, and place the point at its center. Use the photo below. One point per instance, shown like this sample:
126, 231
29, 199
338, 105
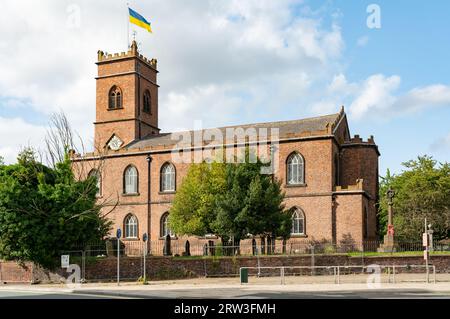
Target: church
329, 177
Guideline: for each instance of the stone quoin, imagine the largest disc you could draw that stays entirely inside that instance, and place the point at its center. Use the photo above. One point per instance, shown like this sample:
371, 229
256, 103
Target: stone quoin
330, 178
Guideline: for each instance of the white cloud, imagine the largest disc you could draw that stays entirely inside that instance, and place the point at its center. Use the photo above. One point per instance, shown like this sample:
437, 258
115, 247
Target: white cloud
442, 144
17, 134
375, 93
362, 41
232, 59
221, 61
378, 96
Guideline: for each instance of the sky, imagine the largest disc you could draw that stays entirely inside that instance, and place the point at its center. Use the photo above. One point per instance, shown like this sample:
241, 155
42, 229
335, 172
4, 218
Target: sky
230, 62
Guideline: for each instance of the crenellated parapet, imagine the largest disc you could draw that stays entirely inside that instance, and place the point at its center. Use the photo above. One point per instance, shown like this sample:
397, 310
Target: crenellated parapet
132, 53
358, 140
359, 186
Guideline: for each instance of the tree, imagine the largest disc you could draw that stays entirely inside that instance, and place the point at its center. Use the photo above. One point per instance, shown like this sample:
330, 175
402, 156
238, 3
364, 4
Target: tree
252, 204
2, 161
422, 191
48, 209
44, 211
231, 201
194, 204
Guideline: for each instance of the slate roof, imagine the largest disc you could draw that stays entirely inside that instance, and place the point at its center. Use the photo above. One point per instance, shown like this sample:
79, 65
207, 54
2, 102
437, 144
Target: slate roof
286, 128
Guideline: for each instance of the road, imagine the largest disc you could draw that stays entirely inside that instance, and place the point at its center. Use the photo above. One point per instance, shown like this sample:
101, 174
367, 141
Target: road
235, 292
24, 294
262, 294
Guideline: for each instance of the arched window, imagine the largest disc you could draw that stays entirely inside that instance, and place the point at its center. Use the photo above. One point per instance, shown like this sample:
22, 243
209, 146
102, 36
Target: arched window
165, 229
168, 178
115, 98
98, 180
147, 102
131, 226
298, 222
295, 169
131, 180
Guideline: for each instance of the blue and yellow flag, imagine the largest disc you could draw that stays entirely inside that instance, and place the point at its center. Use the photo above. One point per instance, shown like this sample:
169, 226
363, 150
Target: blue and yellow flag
139, 20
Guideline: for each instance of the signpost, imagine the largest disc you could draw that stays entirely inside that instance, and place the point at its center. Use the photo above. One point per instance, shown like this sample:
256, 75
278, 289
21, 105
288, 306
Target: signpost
145, 238
65, 261
118, 235
426, 244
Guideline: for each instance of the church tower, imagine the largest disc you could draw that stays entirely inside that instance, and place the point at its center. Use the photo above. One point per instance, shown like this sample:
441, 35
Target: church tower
127, 99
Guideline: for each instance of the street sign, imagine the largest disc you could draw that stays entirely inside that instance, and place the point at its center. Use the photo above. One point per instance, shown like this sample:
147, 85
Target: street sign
145, 237
119, 233
65, 261
425, 240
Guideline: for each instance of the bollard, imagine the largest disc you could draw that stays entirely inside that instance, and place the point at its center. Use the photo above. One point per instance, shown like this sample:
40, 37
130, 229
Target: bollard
244, 275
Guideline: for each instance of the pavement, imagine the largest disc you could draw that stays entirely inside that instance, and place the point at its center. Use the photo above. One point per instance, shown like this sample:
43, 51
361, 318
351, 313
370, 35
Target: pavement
204, 289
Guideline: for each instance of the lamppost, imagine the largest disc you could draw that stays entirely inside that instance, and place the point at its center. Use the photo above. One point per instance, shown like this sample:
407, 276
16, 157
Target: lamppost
390, 195
430, 236
428, 246
388, 245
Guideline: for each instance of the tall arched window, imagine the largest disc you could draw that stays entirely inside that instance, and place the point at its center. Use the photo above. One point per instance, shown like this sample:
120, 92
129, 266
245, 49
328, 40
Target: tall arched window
295, 174
131, 180
167, 178
98, 181
147, 102
115, 98
298, 222
131, 226
165, 229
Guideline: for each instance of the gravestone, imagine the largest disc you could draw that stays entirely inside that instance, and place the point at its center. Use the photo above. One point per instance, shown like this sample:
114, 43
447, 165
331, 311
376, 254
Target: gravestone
187, 249
167, 251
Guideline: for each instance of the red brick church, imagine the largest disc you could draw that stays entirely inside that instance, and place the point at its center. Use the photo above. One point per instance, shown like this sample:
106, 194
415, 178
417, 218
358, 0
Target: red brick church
330, 178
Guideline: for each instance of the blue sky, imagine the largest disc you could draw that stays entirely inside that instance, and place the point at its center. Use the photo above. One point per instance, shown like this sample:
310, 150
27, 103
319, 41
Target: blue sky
230, 62
411, 43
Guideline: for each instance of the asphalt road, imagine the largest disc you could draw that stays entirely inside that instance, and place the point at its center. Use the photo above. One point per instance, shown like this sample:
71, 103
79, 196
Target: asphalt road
227, 293
18, 294
242, 294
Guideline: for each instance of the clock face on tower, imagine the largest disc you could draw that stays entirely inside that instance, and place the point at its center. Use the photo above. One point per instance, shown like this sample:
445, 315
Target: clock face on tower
115, 143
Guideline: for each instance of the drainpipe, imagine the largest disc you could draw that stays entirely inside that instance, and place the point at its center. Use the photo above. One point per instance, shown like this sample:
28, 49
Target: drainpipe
149, 206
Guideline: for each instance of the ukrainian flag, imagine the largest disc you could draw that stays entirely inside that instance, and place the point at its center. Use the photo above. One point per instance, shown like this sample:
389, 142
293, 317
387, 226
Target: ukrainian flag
139, 20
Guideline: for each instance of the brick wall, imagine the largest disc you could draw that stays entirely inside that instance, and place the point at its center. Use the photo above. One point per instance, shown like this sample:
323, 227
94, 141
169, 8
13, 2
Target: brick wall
11, 272
176, 268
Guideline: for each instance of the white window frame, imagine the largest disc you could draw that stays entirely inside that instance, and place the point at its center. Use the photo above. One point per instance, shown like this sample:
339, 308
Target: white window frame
131, 227
165, 229
298, 218
131, 180
168, 178
295, 174
95, 173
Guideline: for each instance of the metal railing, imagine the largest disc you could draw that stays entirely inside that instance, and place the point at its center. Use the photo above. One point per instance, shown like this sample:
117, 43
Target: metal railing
392, 274
247, 248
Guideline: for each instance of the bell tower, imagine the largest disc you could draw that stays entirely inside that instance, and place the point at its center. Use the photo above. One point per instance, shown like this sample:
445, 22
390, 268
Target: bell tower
126, 99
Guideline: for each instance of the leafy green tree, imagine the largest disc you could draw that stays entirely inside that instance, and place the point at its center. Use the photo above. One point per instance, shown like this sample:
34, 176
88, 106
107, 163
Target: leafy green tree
44, 211
422, 191
193, 208
231, 201
253, 204
2, 161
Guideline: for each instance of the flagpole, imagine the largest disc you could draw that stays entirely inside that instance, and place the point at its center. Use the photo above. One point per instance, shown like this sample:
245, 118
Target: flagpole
128, 26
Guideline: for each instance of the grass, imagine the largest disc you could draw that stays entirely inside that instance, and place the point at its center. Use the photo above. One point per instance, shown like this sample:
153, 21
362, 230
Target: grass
401, 253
